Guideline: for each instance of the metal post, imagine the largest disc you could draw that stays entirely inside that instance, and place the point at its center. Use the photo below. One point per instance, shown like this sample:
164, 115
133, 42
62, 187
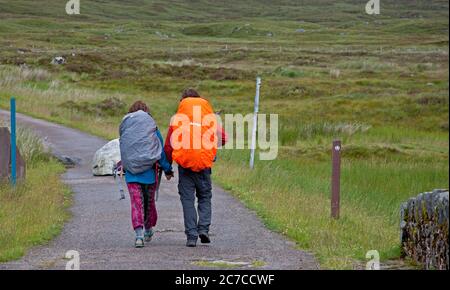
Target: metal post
13, 143
336, 180
255, 124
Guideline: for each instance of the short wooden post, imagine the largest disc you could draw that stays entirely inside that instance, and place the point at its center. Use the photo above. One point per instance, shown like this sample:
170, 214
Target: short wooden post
5, 153
336, 180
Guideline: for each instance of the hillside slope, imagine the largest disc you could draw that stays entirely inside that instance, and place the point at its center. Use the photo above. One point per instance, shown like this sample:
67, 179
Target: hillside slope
208, 10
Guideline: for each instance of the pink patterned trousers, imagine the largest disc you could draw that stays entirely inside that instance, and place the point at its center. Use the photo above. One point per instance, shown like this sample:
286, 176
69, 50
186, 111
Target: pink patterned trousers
143, 205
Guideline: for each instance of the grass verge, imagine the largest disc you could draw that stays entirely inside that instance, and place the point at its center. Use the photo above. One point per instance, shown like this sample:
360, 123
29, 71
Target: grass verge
35, 211
293, 198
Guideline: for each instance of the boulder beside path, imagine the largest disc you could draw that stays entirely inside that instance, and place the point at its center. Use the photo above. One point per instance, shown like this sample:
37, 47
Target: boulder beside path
106, 158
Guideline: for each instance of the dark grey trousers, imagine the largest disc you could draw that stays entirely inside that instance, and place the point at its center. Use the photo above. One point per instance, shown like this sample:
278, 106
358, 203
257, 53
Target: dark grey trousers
195, 184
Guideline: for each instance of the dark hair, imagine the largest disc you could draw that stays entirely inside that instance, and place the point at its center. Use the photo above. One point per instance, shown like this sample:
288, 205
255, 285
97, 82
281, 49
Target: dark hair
190, 93
138, 106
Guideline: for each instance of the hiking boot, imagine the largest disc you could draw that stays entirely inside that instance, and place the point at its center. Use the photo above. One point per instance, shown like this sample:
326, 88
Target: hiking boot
148, 236
204, 238
139, 243
191, 243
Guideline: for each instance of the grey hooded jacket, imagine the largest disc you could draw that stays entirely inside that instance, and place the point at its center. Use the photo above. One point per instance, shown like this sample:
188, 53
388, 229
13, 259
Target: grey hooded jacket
140, 147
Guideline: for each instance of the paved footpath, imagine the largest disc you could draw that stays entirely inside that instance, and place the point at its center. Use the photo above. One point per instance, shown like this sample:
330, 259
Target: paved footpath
100, 227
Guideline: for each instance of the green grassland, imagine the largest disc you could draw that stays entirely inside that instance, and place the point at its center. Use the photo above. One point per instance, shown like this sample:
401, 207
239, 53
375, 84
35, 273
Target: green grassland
379, 83
33, 212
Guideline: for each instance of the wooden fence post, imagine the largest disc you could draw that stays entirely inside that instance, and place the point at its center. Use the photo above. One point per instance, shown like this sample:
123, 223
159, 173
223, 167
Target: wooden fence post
5, 158
5, 152
336, 180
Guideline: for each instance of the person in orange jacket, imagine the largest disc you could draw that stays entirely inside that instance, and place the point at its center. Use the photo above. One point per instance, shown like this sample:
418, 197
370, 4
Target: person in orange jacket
194, 164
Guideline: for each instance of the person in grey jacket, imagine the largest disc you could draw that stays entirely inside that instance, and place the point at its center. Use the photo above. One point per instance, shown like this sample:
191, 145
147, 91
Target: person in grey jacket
142, 188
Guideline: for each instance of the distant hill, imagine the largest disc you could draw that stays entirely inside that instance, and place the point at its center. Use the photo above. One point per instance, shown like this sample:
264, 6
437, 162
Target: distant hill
213, 10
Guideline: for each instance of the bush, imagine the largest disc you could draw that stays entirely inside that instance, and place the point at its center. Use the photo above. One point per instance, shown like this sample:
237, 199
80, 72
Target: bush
107, 107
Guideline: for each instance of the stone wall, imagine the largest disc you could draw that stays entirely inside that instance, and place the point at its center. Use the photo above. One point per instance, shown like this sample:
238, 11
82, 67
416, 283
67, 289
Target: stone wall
424, 229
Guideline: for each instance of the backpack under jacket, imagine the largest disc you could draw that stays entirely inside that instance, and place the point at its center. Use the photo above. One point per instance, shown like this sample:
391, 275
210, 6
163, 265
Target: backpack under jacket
194, 138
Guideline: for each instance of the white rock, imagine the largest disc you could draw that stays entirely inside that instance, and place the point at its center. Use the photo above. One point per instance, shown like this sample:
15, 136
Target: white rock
58, 60
106, 158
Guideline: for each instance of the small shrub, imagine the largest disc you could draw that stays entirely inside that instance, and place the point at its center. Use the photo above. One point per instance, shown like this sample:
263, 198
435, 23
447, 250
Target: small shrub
289, 73
107, 107
432, 100
327, 129
377, 150
34, 74
80, 68
335, 73
422, 67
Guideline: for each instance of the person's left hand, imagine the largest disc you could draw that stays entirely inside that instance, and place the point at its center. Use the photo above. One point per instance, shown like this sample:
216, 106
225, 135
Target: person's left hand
169, 175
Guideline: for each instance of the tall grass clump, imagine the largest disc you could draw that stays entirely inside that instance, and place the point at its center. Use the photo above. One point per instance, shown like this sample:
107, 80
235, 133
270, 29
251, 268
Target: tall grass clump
292, 133
312, 130
31, 146
13, 75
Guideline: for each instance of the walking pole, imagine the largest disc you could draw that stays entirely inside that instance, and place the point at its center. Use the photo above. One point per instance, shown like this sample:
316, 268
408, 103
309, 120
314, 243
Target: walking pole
255, 124
118, 176
160, 172
13, 143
